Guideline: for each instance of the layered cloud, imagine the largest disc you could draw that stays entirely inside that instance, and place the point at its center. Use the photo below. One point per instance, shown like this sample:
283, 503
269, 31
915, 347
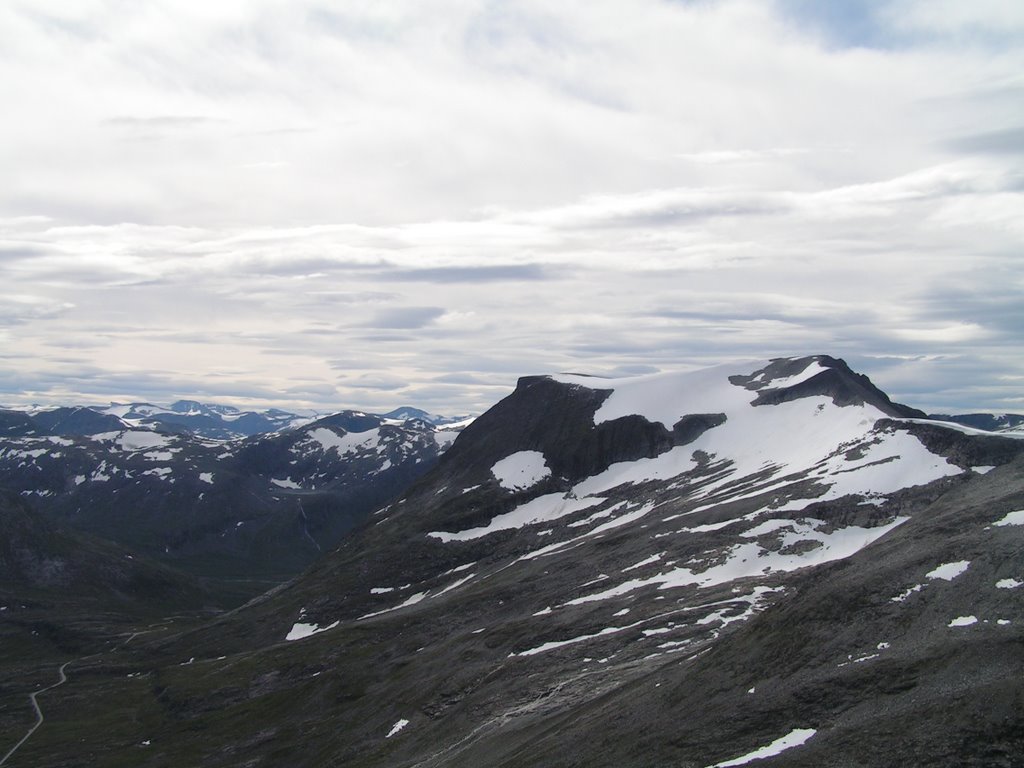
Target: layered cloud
307, 205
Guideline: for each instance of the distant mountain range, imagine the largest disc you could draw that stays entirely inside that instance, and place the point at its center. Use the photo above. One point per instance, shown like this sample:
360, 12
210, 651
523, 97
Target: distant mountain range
253, 510
218, 422
770, 564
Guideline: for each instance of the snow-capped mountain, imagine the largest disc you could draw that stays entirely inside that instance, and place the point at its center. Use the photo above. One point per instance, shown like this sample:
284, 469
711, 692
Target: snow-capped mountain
698, 569
222, 422
262, 507
407, 412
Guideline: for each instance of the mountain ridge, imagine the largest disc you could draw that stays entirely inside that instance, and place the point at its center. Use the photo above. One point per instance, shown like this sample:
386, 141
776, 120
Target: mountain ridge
647, 572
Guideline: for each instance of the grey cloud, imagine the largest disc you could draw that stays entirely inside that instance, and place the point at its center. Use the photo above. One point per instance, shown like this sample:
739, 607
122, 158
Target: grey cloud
675, 214
480, 274
385, 338
993, 302
1009, 141
19, 252
402, 318
375, 382
463, 379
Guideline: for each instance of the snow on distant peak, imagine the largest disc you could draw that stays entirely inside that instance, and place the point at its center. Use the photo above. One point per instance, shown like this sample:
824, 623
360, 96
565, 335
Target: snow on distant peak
521, 470
667, 397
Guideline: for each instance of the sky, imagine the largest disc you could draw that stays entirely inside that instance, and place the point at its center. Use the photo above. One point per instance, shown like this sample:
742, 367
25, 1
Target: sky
335, 205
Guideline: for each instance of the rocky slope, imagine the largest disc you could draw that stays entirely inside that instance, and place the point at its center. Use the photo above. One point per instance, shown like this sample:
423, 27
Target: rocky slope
676, 570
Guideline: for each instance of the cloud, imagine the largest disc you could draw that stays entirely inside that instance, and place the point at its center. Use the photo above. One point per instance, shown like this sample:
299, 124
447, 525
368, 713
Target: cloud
404, 318
341, 207
470, 274
1009, 141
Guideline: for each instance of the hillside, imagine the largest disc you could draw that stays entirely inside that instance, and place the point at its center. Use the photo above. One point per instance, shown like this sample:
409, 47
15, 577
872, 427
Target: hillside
252, 511
674, 570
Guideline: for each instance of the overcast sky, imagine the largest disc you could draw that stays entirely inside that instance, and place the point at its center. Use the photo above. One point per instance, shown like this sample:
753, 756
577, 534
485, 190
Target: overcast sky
368, 204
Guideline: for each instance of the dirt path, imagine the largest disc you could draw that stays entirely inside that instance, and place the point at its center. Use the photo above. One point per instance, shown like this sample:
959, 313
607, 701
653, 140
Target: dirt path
39, 713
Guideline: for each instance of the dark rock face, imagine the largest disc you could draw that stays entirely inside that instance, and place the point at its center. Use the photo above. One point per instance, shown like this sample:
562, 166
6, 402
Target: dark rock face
558, 420
964, 450
17, 424
837, 382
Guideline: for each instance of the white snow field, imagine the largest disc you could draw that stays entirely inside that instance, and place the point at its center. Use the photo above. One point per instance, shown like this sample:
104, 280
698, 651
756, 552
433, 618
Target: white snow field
521, 470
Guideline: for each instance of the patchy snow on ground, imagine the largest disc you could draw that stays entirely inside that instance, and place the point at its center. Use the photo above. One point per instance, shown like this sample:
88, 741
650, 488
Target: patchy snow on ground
550, 646
301, 630
949, 571
964, 621
750, 559
206, 477
795, 738
1009, 584
902, 597
286, 483
137, 440
1011, 518
397, 727
349, 442
412, 600
521, 470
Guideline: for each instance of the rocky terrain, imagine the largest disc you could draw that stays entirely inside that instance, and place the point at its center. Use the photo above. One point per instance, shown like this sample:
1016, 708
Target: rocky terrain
768, 562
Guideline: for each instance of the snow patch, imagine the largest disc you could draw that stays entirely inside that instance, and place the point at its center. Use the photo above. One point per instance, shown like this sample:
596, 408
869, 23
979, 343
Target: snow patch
397, 727
133, 440
521, 470
1009, 584
543, 509
645, 561
410, 601
300, 630
949, 571
1011, 518
349, 442
900, 598
963, 621
795, 738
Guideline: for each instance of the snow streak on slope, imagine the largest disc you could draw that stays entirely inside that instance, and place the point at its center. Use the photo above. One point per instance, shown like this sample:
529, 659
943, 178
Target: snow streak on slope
751, 559
540, 510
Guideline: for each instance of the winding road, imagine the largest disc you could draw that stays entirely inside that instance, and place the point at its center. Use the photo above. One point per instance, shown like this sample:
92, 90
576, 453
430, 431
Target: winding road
39, 713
